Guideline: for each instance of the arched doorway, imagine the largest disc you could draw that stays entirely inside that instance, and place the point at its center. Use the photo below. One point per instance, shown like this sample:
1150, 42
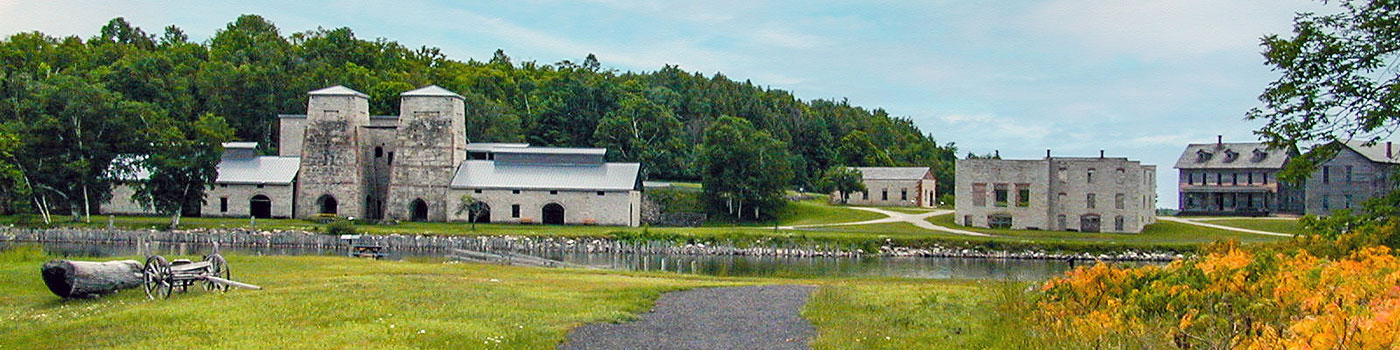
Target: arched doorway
260, 207
327, 204
483, 213
553, 214
418, 210
1089, 223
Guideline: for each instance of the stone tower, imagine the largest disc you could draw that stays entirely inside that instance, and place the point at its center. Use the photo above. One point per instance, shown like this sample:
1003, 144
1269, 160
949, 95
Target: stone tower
431, 143
332, 177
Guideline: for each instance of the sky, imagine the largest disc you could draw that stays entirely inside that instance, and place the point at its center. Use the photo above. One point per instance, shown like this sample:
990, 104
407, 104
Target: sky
1135, 78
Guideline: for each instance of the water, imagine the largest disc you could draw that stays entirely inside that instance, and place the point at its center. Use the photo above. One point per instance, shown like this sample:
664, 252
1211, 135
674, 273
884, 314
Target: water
724, 265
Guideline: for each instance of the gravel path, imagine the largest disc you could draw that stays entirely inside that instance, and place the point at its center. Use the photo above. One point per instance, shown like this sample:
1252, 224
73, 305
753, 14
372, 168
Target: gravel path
757, 317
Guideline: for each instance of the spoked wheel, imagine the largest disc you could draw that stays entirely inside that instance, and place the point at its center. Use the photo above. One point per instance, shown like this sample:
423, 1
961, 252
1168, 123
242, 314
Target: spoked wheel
156, 277
218, 267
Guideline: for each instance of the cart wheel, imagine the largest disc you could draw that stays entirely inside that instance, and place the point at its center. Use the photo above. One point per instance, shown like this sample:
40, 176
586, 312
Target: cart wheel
218, 267
155, 276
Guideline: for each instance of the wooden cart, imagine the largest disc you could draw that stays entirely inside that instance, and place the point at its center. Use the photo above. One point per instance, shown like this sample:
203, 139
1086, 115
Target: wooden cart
162, 277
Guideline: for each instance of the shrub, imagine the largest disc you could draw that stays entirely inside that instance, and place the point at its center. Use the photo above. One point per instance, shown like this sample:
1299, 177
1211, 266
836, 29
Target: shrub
341, 227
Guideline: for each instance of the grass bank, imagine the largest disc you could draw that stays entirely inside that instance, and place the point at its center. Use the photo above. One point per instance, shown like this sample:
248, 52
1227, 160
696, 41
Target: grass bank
336, 302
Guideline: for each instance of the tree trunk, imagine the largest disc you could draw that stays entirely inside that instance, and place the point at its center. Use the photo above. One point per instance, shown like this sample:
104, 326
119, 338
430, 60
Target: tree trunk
87, 205
89, 279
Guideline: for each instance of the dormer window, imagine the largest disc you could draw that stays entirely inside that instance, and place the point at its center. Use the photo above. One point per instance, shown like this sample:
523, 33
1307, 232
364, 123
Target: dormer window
1231, 156
1259, 155
1202, 156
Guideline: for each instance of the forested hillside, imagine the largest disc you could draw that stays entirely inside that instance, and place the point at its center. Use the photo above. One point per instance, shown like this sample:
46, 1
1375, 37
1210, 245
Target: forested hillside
69, 105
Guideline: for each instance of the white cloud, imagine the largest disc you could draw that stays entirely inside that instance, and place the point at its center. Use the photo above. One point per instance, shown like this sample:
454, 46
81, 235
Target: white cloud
1158, 29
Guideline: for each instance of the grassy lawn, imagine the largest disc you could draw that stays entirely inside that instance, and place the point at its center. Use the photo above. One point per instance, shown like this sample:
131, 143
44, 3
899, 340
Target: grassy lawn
902, 314
1161, 233
1290, 226
337, 302
817, 211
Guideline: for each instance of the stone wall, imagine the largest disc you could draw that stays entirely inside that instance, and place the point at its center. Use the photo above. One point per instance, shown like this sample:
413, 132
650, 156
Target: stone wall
991, 172
617, 208
290, 132
891, 190
430, 142
121, 202
331, 156
239, 198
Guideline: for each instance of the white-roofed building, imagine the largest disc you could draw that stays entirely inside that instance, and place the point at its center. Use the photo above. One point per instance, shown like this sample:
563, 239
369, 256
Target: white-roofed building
551, 186
894, 186
247, 185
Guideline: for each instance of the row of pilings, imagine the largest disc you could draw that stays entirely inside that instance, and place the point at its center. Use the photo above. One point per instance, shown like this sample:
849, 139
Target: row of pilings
528, 244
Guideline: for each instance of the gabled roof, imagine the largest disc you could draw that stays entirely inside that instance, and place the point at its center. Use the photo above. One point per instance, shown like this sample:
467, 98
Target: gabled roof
486, 174
552, 150
431, 91
893, 173
489, 146
1377, 152
338, 90
1232, 155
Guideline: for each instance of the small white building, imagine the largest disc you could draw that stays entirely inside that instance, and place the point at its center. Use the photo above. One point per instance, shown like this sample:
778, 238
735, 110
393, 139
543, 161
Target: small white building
542, 185
247, 185
894, 186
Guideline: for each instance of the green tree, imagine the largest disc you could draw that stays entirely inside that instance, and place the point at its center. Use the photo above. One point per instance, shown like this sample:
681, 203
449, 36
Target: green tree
844, 180
183, 164
1339, 81
13, 187
856, 149
642, 131
472, 207
744, 170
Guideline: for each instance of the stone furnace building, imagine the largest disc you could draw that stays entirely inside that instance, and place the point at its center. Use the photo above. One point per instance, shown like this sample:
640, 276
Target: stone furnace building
338, 160
1235, 179
890, 186
1056, 193
1357, 173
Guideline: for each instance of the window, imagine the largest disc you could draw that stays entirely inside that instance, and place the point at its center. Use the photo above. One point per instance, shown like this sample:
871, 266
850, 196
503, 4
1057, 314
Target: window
600, 193
514, 191
979, 195
1235, 179
379, 152
1120, 175
1250, 178
1265, 178
1348, 173
515, 210
1000, 195
1090, 175
1118, 200
904, 194
1218, 177
476, 191
391, 158
1089, 201
1063, 174
999, 221
865, 195
1061, 199
1023, 195
1326, 204
967, 220
223, 185
553, 192
1118, 223
1326, 175
223, 204
260, 185
884, 194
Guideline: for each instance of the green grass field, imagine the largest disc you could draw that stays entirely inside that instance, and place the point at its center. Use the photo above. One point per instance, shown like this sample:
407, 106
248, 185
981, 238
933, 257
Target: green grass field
336, 302
1160, 233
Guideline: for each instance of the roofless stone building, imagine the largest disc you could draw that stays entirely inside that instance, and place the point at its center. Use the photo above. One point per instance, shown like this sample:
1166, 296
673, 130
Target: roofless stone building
337, 159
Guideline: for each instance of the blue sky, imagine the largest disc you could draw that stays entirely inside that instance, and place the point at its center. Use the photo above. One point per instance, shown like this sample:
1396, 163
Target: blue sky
1137, 78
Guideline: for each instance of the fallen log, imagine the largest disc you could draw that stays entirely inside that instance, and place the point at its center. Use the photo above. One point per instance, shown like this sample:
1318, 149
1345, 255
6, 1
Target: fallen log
90, 279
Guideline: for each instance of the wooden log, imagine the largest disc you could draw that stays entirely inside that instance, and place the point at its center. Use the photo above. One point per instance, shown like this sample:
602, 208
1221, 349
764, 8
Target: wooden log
90, 279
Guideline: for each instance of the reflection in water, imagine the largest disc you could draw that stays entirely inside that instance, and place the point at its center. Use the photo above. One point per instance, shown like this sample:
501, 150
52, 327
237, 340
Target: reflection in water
723, 265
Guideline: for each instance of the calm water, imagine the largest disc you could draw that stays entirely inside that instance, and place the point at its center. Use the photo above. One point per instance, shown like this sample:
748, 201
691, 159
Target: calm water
935, 268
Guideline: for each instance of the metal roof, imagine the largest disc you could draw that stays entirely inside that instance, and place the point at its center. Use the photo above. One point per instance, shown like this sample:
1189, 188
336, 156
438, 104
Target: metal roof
431, 91
486, 174
893, 173
489, 146
1232, 155
240, 145
259, 170
338, 90
255, 170
552, 150
1377, 152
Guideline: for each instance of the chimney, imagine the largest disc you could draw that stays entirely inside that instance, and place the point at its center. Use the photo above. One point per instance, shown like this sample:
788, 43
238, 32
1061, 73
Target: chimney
1047, 154
1219, 141
1100, 154
998, 154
